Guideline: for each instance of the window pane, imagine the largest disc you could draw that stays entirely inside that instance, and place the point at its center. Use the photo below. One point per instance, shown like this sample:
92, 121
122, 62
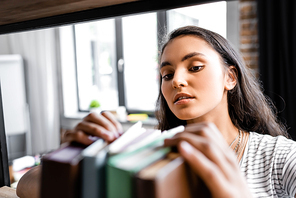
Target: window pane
211, 16
96, 64
140, 60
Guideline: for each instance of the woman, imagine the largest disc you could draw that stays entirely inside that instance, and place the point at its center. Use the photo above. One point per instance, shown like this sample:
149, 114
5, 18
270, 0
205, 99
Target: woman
206, 86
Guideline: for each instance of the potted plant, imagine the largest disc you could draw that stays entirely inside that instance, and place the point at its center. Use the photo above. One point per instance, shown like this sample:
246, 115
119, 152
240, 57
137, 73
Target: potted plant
95, 106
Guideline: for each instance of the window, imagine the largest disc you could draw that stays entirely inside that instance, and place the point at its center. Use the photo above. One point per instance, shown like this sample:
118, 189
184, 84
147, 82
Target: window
96, 64
141, 61
116, 60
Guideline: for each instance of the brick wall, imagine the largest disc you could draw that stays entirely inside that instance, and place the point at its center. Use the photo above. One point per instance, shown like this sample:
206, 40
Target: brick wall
249, 33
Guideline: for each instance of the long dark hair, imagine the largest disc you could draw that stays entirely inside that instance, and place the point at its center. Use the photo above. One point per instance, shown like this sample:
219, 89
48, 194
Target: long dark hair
248, 108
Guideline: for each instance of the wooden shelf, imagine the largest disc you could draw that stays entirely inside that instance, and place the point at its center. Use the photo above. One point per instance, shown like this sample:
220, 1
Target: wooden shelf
21, 10
20, 15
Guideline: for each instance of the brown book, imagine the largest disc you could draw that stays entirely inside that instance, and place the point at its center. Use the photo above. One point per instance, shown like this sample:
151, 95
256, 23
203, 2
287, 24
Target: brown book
61, 172
169, 177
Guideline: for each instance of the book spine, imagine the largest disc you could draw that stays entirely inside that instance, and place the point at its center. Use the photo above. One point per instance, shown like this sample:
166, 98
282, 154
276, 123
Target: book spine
89, 187
145, 188
60, 180
120, 182
93, 177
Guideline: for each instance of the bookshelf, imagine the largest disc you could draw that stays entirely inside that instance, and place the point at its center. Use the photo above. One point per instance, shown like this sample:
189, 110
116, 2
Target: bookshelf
36, 14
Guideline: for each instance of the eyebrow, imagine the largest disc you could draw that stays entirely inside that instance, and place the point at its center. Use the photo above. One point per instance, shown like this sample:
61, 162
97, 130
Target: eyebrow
190, 55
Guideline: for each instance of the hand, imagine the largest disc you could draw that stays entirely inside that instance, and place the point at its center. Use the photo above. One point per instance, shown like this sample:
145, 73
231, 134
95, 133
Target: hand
208, 154
102, 125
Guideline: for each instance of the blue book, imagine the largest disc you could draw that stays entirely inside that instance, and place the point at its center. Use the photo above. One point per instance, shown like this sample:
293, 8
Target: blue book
93, 170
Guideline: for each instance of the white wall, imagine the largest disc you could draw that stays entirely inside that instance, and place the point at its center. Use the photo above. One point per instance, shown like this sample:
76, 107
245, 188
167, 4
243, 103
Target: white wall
4, 45
38, 50
13, 94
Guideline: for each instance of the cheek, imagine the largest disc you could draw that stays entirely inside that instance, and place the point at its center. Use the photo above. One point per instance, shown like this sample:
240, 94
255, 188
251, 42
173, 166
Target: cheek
165, 90
209, 86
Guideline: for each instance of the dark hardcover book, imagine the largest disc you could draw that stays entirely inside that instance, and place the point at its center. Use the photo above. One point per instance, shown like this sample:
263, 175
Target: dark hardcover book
61, 174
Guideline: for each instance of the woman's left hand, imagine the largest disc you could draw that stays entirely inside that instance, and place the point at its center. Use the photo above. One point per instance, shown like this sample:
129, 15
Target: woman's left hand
207, 153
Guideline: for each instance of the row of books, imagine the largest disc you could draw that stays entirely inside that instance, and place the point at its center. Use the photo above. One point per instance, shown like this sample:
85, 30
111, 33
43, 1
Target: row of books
134, 165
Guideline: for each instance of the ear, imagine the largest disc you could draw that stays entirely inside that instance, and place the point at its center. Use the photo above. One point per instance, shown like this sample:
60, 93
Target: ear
230, 78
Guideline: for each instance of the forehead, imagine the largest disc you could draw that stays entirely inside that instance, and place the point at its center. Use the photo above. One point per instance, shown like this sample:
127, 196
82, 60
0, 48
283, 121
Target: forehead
182, 45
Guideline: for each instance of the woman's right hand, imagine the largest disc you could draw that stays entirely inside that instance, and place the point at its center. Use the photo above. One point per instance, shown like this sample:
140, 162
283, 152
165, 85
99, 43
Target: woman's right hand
102, 125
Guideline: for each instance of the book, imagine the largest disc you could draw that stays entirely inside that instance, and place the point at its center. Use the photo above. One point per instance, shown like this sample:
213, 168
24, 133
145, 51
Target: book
139, 138
95, 157
169, 177
75, 170
126, 138
61, 172
164, 178
93, 170
121, 169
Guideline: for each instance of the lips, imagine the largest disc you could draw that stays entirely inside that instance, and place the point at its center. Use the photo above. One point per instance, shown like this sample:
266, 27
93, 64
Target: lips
182, 96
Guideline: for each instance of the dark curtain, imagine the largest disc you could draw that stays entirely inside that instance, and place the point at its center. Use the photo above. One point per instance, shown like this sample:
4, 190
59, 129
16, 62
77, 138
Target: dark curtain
277, 56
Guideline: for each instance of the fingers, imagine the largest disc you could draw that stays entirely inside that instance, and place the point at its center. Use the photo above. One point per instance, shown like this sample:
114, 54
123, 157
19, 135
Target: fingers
77, 136
205, 130
209, 156
113, 120
208, 130
205, 168
105, 120
208, 148
102, 125
93, 129
206, 139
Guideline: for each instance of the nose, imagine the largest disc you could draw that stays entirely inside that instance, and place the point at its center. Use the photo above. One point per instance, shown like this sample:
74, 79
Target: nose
179, 79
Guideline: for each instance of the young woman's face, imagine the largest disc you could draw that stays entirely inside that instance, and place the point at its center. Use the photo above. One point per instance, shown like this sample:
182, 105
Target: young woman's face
193, 79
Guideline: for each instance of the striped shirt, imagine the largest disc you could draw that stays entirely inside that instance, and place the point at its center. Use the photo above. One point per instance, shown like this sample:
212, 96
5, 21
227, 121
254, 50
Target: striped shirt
269, 166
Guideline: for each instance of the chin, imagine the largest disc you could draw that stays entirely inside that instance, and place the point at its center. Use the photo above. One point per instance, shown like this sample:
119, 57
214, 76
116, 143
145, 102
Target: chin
185, 116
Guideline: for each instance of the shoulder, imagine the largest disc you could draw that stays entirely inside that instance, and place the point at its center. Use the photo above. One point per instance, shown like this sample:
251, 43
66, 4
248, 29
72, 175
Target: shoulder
271, 159
268, 149
259, 141
272, 148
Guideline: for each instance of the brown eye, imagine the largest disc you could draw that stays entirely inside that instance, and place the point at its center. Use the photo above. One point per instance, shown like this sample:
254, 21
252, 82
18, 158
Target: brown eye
167, 77
196, 68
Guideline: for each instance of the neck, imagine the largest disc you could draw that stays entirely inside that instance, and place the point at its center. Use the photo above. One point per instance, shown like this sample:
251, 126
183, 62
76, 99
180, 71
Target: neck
222, 122
225, 126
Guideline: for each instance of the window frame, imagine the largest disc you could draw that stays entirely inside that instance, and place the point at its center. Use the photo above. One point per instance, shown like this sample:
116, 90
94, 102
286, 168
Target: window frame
161, 22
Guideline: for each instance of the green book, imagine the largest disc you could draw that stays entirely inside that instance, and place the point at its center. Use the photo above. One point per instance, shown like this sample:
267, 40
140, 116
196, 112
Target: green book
121, 169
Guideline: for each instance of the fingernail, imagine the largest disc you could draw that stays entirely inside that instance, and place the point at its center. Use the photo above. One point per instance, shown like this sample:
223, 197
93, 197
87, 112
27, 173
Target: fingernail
186, 147
116, 134
93, 138
112, 136
108, 136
